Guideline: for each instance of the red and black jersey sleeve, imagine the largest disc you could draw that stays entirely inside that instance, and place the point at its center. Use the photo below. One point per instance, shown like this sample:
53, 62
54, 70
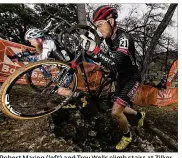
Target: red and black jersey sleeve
121, 56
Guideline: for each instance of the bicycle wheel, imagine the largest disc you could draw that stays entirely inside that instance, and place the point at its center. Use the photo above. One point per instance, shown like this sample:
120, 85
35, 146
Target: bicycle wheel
84, 29
44, 77
19, 101
71, 38
105, 92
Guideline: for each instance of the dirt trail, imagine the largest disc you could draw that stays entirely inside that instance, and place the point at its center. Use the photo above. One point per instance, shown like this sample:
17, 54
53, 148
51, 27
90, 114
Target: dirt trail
67, 130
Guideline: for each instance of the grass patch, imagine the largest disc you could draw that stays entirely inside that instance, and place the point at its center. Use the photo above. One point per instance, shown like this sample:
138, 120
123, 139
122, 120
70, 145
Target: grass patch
155, 108
173, 83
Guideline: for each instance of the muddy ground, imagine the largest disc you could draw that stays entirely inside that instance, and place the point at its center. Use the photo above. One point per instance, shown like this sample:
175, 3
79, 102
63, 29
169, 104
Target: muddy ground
70, 130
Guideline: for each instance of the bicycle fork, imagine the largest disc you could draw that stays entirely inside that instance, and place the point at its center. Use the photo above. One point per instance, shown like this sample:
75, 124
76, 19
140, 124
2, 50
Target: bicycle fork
62, 74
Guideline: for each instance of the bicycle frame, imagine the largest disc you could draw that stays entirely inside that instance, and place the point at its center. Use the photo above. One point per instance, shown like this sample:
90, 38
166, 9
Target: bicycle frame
79, 57
107, 79
86, 84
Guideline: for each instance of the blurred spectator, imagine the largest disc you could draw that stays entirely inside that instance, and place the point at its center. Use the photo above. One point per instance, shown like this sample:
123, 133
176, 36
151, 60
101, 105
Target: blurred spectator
162, 84
146, 82
151, 83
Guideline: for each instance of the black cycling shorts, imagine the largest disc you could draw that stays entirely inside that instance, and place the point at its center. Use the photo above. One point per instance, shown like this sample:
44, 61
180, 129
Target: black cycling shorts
125, 89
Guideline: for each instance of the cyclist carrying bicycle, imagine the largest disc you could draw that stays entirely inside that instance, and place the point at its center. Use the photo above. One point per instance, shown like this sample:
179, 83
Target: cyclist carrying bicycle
45, 46
118, 56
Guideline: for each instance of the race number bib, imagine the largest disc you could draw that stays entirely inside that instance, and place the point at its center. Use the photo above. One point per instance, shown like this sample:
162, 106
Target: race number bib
123, 43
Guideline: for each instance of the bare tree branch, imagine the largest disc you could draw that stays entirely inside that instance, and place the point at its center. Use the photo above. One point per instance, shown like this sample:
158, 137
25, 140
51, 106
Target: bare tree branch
57, 17
157, 35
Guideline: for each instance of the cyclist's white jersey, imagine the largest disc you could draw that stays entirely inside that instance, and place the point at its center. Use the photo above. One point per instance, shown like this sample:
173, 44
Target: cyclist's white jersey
48, 47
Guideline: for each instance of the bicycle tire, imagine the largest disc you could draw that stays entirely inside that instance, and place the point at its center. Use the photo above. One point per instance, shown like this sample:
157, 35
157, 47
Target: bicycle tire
11, 80
72, 38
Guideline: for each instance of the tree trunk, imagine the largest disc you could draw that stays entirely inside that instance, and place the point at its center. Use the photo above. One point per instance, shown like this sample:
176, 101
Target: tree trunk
167, 53
157, 34
81, 14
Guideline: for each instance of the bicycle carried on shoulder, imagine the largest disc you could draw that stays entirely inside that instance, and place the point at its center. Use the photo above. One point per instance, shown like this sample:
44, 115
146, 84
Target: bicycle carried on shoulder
20, 101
